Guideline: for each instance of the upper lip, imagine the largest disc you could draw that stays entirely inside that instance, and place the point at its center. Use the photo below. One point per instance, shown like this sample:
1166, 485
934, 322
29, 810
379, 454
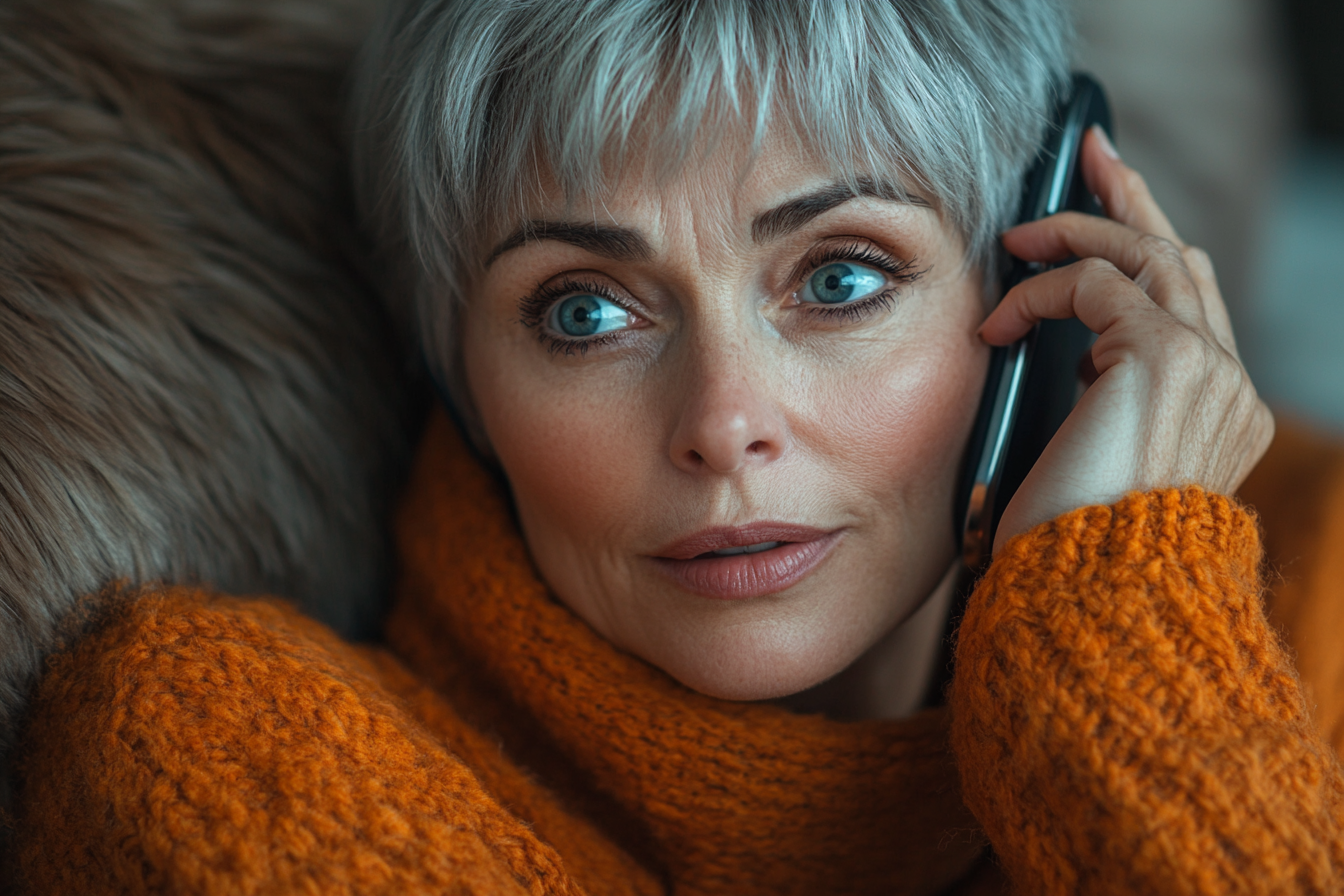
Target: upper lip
720, 537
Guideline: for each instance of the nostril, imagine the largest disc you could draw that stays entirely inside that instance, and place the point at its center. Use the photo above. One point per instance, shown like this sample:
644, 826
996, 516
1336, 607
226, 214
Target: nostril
758, 448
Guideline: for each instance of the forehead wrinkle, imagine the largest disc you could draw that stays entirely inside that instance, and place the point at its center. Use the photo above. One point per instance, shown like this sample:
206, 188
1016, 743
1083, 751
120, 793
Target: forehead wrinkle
714, 229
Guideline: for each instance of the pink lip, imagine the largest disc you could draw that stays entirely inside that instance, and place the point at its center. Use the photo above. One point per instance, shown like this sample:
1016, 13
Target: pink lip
742, 576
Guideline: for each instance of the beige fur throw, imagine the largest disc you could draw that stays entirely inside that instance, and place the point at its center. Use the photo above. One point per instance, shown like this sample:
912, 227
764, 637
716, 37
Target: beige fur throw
194, 385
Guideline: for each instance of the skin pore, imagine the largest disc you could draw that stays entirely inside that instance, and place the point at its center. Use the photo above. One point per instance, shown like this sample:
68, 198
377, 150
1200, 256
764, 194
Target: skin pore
725, 385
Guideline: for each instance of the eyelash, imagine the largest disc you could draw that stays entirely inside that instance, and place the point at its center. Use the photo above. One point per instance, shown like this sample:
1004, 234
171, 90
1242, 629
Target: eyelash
534, 307
532, 310
902, 273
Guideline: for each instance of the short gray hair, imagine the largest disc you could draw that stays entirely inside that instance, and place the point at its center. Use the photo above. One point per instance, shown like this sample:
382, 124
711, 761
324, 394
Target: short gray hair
459, 104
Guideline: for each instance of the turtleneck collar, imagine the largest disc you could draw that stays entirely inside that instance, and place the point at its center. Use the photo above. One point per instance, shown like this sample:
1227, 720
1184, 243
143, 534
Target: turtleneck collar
720, 797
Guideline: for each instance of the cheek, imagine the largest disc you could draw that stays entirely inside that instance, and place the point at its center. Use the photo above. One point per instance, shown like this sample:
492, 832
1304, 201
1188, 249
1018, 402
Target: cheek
573, 452
570, 461
898, 422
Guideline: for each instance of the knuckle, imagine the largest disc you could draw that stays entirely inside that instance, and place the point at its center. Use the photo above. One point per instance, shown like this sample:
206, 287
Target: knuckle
1224, 382
1097, 270
1196, 258
1156, 248
1186, 354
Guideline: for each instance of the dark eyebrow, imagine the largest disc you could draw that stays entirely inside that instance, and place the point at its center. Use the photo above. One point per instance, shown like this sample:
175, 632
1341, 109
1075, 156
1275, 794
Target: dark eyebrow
620, 243
790, 216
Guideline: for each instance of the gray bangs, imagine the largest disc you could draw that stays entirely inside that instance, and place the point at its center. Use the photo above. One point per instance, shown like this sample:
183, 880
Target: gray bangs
462, 106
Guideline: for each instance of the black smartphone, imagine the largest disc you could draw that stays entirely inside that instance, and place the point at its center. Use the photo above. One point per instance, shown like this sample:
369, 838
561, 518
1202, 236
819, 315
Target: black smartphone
1033, 384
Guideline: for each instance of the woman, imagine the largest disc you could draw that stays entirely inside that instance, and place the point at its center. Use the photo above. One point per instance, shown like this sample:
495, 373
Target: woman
707, 287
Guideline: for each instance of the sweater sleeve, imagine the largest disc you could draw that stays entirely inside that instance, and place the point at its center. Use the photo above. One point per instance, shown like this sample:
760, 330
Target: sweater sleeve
1125, 720
200, 744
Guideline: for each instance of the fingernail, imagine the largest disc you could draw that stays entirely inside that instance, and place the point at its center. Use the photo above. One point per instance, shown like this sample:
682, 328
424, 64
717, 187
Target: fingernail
1106, 145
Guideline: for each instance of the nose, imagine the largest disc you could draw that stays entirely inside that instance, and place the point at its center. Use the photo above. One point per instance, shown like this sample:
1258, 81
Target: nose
728, 420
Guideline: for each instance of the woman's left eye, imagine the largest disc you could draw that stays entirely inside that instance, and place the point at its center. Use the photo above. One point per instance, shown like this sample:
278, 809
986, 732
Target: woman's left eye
587, 315
840, 282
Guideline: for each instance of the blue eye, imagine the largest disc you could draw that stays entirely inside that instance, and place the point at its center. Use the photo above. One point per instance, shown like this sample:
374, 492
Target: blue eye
842, 281
587, 315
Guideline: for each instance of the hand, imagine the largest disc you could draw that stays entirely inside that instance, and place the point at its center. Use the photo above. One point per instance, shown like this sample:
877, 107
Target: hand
1172, 404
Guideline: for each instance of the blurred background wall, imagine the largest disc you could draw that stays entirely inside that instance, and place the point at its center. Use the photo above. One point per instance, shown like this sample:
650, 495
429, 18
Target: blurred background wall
1234, 112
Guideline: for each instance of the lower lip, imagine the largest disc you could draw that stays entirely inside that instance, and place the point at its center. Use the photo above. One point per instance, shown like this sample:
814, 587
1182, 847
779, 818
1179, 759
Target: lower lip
740, 576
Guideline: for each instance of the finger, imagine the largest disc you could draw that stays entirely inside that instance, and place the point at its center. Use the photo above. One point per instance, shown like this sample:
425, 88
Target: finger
1199, 264
1092, 290
1154, 263
1122, 190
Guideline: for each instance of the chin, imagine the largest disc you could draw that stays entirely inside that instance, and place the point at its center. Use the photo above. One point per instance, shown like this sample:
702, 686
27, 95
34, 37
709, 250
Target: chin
761, 660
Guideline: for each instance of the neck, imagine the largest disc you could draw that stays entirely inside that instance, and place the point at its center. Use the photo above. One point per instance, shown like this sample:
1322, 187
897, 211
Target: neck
892, 679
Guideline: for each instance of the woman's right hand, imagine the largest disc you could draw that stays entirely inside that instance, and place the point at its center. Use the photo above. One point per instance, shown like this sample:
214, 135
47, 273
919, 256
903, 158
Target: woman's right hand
1172, 404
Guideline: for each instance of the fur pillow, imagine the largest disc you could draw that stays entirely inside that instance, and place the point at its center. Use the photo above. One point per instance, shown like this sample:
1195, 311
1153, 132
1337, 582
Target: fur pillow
194, 383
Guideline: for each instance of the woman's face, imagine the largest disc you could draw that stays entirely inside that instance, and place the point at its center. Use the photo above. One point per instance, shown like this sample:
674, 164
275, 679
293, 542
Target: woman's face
673, 373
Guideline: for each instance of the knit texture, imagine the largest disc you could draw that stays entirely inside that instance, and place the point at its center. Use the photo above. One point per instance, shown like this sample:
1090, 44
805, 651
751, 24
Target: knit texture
1123, 719
204, 744
1127, 722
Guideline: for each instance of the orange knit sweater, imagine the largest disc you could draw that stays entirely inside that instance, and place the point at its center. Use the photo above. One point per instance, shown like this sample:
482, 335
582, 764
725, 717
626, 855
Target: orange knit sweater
1122, 720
